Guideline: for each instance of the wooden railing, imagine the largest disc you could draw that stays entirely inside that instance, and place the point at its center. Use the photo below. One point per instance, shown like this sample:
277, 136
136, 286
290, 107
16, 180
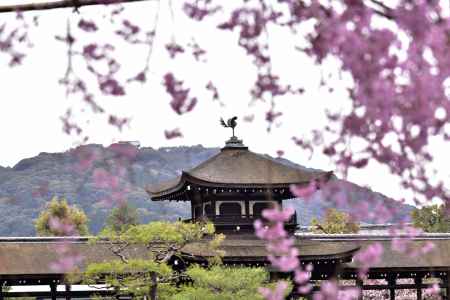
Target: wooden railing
240, 219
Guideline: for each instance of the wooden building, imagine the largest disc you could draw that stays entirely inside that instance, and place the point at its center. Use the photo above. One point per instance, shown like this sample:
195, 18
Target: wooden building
231, 189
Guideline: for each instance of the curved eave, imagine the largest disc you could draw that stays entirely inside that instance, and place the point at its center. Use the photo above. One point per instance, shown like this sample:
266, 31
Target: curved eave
258, 252
168, 190
176, 189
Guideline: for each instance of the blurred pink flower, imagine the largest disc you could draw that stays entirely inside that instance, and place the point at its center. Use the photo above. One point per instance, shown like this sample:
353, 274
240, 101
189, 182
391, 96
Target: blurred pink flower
274, 294
433, 292
124, 150
274, 232
104, 179
174, 133
368, 257
288, 262
61, 226
85, 158
330, 291
302, 191
66, 263
278, 215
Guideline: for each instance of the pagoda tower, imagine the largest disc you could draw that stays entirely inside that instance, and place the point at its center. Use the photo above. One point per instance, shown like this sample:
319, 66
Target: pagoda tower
232, 188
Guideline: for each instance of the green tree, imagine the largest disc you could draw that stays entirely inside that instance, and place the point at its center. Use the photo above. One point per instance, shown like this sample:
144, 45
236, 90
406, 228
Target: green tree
335, 222
431, 218
61, 219
148, 275
122, 217
223, 283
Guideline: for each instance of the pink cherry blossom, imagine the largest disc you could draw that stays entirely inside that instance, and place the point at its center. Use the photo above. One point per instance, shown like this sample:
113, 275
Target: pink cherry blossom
174, 133
66, 263
104, 179
62, 226
433, 292
330, 291
368, 257
275, 294
302, 191
277, 215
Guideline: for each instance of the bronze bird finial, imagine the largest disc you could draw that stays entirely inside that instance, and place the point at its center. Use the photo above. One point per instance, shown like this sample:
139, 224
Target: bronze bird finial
231, 123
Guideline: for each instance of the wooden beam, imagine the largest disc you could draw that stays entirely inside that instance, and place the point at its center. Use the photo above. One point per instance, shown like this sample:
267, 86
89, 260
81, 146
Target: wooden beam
60, 294
418, 283
68, 290
247, 208
391, 282
74, 4
359, 284
447, 285
53, 291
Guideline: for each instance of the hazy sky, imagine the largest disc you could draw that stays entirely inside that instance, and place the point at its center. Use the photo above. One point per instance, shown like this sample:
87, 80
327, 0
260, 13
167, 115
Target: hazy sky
32, 101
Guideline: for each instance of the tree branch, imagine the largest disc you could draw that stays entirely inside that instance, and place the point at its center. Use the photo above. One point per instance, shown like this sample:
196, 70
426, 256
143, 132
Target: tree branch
59, 4
384, 10
118, 251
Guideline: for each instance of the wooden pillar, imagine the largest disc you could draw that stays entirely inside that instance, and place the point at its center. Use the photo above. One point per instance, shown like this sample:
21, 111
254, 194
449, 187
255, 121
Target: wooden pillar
213, 208
447, 285
247, 208
68, 292
359, 284
192, 210
391, 284
418, 283
53, 290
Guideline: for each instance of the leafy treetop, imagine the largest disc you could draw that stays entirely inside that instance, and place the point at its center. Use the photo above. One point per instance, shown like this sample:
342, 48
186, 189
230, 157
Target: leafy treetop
122, 217
335, 222
151, 276
61, 219
223, 283
431, 218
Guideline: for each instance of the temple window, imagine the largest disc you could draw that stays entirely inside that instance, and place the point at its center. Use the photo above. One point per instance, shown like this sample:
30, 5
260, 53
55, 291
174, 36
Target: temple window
231, 208
198, 211
256, 207
208, 210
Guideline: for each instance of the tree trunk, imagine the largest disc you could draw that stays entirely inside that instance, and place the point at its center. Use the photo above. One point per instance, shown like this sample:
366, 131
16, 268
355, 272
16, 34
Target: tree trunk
154, 286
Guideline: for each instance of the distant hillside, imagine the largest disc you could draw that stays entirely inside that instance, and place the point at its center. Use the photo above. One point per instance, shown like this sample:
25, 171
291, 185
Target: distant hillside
30, 184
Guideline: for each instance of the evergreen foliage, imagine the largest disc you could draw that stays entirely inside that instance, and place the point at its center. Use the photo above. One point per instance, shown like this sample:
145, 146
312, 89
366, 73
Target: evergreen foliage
151, 276
122, 217
223, 283
335, 222
431, 218
61, 219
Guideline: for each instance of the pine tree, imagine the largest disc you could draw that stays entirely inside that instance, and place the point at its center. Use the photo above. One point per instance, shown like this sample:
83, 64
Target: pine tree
122, 217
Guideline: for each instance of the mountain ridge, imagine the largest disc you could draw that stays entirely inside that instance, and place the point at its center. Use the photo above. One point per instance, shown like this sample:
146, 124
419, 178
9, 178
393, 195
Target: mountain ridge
26, 187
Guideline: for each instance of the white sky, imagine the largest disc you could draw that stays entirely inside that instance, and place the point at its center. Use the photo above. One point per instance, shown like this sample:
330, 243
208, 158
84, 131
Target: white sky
31, 100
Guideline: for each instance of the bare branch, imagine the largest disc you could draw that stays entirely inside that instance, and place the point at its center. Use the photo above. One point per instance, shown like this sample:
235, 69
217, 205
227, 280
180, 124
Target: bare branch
381, 4
382, 9
75, 4
118, 251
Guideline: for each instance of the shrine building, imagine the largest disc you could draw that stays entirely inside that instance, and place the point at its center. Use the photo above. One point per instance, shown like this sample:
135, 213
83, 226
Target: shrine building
231, 189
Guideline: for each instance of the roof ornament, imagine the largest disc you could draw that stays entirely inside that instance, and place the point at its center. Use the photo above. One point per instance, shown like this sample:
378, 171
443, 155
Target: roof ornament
231, 123
233, 142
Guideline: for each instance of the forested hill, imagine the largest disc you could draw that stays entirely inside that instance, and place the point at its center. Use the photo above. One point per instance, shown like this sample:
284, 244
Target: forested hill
29, 185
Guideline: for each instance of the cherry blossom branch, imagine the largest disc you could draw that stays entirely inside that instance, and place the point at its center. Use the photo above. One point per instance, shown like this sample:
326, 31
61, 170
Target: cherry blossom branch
60, 4
381, 4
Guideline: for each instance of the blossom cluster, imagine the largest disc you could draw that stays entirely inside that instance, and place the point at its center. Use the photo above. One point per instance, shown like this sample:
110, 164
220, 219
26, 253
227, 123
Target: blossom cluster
282, 252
